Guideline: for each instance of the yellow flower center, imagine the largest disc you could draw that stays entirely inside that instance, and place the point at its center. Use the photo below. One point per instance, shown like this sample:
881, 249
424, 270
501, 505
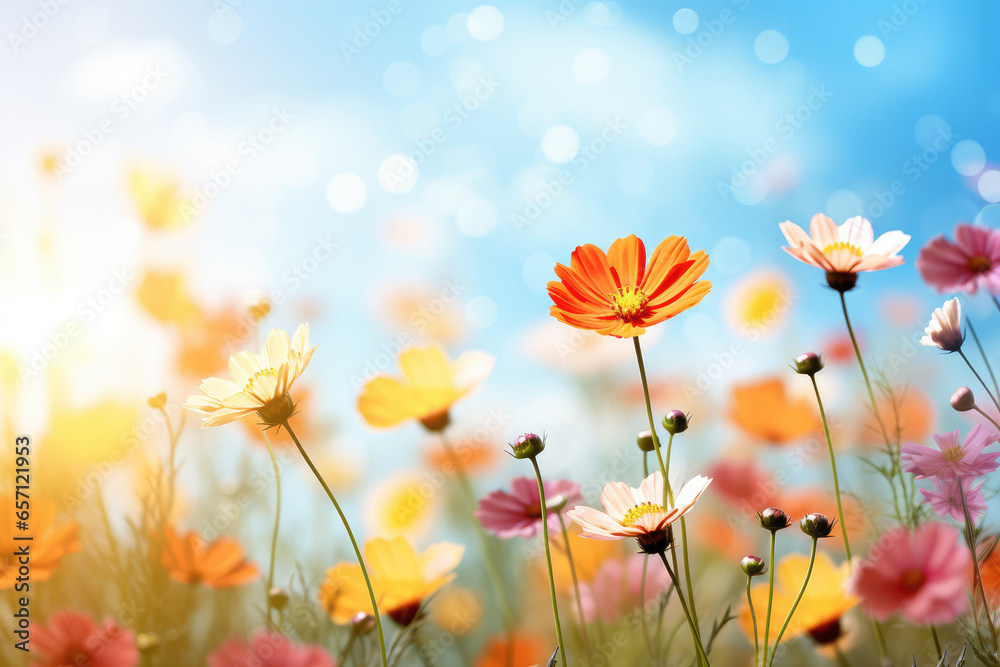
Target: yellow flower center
267, 372
640, 511
628, 303
843, 245
913, 580
980, 264
954, 454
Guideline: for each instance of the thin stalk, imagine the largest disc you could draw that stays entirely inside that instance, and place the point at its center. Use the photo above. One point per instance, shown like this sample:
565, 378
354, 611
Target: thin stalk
970, 537
980, 411
576, 585
492, 569
277, 524
976, 373
667, 491
986, 360
345, 655
113, 543
350, 534
798, 598
833, 467
937, 642
642, 583
841, 658
878, 417
702, 657
995, 301
548, 560
770, 600
753, 617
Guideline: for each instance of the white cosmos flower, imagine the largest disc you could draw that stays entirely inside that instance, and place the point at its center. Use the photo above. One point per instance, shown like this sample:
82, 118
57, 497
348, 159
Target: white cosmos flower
260, 383
945, 328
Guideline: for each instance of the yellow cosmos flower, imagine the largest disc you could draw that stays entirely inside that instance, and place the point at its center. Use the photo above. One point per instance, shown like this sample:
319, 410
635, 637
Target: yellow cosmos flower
457, 610
430, 384
96, 433
401, 577
165, 296
823, 604
261, 382
759, 303
402, 507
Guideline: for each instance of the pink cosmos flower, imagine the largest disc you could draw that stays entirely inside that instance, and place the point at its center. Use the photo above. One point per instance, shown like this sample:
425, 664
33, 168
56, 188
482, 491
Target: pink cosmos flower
847, 249
269, 649
971, 262
519, 512
72, 638
638, 512
953, 460
614, 590
921, 575
946, 502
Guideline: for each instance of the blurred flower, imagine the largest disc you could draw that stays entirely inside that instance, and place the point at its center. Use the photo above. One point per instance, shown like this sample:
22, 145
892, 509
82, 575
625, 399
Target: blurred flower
802, 500
580, 352
429, 386
73, 638
473, 454
922, 575
518, 513
403, 504
589, 556
401, 578
909, 414
637, 513
758, 302
724, 536
436, 315
989, 568
92, 434
158, 199
260, 383
201, 354
269, 649
742, 483
843, 251
945, 328
946, 498
953, 460
619, 295
189, 559
529, 651
614, 590
838, 348
764, 410
824, 603
164, 295
457, 610
50, 542
971, 262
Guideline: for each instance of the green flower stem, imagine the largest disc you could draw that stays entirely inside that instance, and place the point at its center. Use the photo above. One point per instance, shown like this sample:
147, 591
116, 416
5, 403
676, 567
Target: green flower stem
937, 642
702, 657
976, 373
492, 569
667, 491
970, 538
576, 585
350, 534
770, 599
277, 524
642, 583
986, 360
878, 417
548, 560
798, 598
753, 617
833, 467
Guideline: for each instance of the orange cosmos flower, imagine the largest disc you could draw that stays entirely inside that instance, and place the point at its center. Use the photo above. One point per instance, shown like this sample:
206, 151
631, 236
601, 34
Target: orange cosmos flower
764, 410
219, 564
527, 650
430, 384
619, 295
49, 544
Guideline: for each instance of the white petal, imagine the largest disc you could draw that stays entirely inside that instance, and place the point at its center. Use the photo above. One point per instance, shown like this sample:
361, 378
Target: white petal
857, 232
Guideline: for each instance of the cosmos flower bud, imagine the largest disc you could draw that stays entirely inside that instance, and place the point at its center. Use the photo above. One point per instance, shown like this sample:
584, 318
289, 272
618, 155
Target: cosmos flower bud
147, 642
773, 519
963, 400
278, 598
817, 525
158, 401
557, 504
808, 364
753, 566
842, 282
645, 441
363, 623
675, 422
527, 446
